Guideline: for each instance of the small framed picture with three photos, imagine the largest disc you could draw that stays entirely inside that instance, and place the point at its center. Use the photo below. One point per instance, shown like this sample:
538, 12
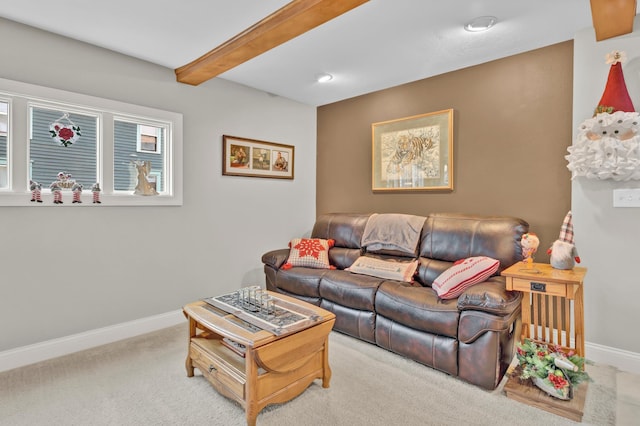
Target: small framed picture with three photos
255, 158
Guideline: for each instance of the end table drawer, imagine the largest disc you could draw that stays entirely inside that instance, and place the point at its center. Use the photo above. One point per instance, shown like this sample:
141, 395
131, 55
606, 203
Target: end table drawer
215, 370
543, 287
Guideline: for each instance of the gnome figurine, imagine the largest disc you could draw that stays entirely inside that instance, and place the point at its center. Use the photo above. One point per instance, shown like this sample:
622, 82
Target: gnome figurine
563, 253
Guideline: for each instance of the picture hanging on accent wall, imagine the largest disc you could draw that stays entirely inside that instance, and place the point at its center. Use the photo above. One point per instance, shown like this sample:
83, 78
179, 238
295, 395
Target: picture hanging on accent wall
413, 153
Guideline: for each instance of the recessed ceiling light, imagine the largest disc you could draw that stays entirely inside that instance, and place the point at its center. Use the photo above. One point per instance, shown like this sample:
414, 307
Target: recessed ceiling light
481, 23
324, 77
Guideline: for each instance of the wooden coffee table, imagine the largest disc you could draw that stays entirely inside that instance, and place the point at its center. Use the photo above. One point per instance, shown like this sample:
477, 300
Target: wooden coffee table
267, 368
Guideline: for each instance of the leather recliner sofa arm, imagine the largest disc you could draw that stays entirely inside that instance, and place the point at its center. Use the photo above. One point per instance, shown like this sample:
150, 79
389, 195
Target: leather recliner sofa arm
474, 324
275, 258
490, 296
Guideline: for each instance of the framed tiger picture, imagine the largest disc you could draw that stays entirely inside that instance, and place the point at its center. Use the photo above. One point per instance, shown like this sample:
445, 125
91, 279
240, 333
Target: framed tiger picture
413, 153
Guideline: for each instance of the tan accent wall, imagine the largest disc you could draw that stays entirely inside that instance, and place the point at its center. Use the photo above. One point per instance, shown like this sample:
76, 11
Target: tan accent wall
512, 126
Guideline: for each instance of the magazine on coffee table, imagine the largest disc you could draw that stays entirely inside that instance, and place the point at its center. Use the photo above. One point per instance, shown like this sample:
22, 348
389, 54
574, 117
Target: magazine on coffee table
263, 310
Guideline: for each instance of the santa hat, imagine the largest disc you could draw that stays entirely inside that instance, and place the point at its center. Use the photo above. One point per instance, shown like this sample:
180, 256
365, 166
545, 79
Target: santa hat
566, 231
615, 96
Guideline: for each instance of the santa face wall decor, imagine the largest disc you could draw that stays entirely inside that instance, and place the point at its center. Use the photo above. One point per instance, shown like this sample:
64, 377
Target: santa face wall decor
608, 144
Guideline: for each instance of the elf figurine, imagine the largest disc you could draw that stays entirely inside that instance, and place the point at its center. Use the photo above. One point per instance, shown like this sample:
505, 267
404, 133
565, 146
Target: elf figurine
57, 192
77, 192
95, 188
36, 191
563, 253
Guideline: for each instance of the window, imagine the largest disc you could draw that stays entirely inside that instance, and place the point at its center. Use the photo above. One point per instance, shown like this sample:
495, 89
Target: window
69, 138
149, 138
130, 152
4, 130
4, 112
78, 160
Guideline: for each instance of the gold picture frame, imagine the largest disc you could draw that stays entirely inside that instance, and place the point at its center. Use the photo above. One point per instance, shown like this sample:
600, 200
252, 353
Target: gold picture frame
255, 158
413, 153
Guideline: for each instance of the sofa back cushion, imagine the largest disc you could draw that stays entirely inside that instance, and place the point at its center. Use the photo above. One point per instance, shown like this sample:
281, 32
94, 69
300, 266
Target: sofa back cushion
346, 230
448, 237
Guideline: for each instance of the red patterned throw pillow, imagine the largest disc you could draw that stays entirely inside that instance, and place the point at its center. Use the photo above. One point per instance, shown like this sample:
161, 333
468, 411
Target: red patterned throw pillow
463, 274
309, 253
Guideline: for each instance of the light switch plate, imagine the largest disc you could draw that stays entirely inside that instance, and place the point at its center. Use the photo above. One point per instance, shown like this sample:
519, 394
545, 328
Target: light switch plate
626, 197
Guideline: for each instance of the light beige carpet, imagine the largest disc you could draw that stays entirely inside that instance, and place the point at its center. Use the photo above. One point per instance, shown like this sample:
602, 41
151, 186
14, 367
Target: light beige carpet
142, 381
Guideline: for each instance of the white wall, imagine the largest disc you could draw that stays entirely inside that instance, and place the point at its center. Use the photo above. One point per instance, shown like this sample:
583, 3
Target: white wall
67, 270
606, 237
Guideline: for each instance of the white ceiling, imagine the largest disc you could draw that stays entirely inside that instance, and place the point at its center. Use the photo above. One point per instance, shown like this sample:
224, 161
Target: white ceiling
381, 44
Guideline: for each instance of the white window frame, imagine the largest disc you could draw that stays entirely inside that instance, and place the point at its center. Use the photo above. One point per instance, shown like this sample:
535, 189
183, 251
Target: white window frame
162, 126
20, 96
5, 114
7, 167
54, 106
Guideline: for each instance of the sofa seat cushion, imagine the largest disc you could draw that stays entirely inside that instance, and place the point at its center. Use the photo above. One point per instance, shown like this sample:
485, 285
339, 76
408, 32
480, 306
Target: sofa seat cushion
354, 322
300, 281
418, 308
351, 290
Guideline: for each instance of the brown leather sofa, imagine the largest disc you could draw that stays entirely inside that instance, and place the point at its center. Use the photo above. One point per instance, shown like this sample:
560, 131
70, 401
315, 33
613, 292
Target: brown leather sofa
471, 337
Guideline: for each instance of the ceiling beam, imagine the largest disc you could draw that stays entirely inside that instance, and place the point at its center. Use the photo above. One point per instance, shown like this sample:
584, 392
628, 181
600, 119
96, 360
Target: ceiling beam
293, 19
612, 18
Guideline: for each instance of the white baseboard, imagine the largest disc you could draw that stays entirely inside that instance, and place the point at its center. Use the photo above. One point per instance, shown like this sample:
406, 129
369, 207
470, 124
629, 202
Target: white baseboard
25, 355
619, 358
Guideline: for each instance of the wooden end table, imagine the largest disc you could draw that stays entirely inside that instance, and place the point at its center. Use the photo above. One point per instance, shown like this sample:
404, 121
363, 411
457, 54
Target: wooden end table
267, 368
551, 294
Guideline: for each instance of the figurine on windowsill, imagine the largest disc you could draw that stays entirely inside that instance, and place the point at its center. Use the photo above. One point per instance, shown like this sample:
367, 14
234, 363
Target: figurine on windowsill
36, 191
95, 189
57, 192
144, 187
77, 192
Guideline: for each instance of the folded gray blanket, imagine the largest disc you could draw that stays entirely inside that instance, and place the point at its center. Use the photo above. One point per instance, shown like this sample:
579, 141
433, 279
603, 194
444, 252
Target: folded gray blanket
393, 231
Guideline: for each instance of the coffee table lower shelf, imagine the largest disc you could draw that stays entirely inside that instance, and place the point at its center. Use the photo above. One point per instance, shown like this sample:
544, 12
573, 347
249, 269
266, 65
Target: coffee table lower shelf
527, 393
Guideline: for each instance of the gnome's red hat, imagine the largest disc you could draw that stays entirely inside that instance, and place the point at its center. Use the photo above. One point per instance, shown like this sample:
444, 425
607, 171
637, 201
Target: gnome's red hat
615, 96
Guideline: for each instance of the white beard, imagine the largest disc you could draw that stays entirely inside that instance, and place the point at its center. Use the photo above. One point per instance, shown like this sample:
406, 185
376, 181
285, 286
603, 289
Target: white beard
562, 250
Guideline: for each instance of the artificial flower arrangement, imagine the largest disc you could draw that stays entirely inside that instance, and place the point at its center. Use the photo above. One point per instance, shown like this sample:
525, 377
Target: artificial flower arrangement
550, 368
